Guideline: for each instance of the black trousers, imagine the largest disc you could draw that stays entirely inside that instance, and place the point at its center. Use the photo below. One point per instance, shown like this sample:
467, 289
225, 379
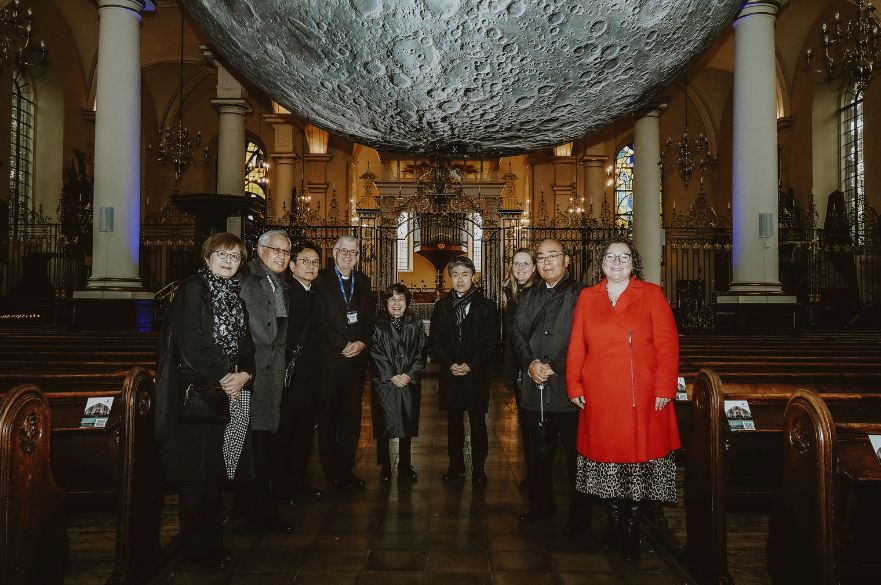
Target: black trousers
255, 497
559, 427
456, 438
199, 508
293, 448
383, 452
339, 420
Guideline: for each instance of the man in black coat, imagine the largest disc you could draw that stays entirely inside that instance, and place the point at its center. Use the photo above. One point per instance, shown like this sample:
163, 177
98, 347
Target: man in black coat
299, 403
540, 338
344, 312
463, 335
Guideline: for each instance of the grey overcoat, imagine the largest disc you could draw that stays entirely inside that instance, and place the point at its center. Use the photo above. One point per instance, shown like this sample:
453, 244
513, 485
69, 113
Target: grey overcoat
270, 339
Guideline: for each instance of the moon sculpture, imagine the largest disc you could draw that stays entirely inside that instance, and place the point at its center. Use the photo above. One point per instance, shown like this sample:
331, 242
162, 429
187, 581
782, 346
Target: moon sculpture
464, 77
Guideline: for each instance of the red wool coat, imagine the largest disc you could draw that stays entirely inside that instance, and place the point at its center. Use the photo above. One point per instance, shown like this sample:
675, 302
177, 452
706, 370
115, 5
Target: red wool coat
620, 359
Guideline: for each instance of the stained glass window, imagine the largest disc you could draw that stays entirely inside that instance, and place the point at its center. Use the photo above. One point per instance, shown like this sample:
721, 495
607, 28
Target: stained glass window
21, 154
477, 241
256, 169
852, 156
624, 186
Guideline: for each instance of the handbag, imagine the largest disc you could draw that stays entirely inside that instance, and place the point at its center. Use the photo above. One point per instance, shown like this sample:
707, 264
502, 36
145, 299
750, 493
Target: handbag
204, 403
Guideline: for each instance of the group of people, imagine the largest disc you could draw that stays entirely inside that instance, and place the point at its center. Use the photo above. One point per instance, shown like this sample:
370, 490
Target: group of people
254, 355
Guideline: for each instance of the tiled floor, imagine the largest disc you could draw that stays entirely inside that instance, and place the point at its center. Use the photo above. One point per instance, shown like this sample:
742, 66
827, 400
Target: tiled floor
428, 532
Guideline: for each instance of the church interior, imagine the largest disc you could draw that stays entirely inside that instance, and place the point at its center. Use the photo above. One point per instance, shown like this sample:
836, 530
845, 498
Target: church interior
735, 142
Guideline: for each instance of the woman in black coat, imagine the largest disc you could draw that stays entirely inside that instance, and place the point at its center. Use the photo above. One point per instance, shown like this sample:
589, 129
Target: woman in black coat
463, 338
206, 342
398, 352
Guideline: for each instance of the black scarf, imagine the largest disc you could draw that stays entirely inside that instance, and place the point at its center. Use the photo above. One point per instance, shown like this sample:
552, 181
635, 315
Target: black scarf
228, 309
460, 303
397, 322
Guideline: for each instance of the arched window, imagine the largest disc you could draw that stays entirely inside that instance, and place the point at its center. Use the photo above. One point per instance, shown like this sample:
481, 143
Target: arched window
852, 159
624, 186
405, 243
477, 241
256, 169
21, 152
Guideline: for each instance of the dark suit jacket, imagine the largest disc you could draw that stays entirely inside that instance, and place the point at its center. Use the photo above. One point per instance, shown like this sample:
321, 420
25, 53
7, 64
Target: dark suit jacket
303, 329
540, 331
330, 313
193, 453
476, 348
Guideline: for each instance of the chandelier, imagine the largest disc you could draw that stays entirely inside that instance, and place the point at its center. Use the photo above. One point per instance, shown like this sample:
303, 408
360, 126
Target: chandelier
17, 38
257, 167
692, 156
176, 146
853, 50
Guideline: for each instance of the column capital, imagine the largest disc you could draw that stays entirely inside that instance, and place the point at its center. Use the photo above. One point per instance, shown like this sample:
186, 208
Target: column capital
231, 106
651, 111
758, 7
594, 160
785, 123
277, 119
286, 158
317, 158
137, 6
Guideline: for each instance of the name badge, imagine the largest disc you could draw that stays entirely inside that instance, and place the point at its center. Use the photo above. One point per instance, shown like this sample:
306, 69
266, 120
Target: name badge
352, 316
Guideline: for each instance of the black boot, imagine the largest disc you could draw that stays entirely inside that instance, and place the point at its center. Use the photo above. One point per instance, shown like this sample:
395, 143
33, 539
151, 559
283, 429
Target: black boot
630, 538
613, 526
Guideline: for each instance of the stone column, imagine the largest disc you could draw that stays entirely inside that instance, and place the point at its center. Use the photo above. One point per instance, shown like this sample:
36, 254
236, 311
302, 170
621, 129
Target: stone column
647, 193
754, 189
117, 201
284, 159
594, 180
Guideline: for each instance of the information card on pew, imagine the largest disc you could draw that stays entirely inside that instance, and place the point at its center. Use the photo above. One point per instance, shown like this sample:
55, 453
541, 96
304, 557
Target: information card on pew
97, 412
739, 415
876, 445
681, 390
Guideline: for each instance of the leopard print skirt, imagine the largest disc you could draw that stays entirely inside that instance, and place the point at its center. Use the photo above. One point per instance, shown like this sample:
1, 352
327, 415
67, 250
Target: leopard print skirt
650, 480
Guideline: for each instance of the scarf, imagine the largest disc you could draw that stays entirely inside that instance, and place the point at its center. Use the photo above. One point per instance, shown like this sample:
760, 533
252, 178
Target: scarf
459, 305
229, 313
397, 322
278, 291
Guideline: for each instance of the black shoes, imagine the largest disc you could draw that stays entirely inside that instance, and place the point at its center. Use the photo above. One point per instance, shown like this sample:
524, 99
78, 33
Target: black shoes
385, 473
630, 536
454, 472
478, 478
407, 473
347, 480
612, 539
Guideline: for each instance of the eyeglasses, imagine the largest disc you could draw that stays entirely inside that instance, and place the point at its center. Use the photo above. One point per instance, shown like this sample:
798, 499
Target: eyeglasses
521, 264
309, 261
624, 258
223, 255
345, 252
549, 258
278, 251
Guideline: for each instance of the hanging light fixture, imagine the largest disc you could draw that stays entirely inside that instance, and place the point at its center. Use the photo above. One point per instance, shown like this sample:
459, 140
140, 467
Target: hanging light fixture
850, 51
257, 167
17, 38
692, 156
176, 146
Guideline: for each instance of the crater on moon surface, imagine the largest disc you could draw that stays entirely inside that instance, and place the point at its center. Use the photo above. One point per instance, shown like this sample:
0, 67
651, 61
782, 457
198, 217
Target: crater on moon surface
468, 77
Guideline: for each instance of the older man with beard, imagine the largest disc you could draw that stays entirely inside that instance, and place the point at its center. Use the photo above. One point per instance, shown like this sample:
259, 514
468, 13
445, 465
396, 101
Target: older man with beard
265, 294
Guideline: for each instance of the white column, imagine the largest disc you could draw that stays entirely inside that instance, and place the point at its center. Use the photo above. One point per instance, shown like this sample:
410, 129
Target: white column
647, 194
117, 201
594, 181
231, 146
754, 190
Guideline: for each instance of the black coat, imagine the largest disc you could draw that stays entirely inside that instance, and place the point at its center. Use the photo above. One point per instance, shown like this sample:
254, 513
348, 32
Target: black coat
540, 331
330, 313
476, 348
193, 453
303, 330
396, 410
510, 369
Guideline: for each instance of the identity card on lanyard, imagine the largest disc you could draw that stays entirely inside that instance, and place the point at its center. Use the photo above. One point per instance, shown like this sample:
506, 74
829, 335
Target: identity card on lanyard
351, 316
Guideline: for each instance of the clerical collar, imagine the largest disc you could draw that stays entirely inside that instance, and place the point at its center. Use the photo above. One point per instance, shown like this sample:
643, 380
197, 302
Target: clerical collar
306, 285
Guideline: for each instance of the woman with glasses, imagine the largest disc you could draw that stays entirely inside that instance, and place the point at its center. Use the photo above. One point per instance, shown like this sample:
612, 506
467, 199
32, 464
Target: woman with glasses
521, 275
621, 371
463, 335
398, 352
206, 347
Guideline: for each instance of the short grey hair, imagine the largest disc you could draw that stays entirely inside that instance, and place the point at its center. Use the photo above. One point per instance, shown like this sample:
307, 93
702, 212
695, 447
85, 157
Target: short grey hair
342, 239
264, 238
463, 261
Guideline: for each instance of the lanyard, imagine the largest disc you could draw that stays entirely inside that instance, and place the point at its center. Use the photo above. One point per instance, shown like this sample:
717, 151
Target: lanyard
339, 276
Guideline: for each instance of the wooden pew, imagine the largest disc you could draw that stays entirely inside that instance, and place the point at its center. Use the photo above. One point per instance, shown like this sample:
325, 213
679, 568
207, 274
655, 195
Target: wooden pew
32, 536
119, 461
824, 526
740, 470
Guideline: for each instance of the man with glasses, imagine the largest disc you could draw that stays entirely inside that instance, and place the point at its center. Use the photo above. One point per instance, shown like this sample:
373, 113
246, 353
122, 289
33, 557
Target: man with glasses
344, 311
265, 294
540, 338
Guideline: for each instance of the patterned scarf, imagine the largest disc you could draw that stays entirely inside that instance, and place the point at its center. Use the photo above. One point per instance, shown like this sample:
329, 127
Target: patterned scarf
397, 322
460, 303
229, 313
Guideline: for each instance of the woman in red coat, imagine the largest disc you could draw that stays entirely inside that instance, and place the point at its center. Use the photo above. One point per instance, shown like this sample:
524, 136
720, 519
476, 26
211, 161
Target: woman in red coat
621, 371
